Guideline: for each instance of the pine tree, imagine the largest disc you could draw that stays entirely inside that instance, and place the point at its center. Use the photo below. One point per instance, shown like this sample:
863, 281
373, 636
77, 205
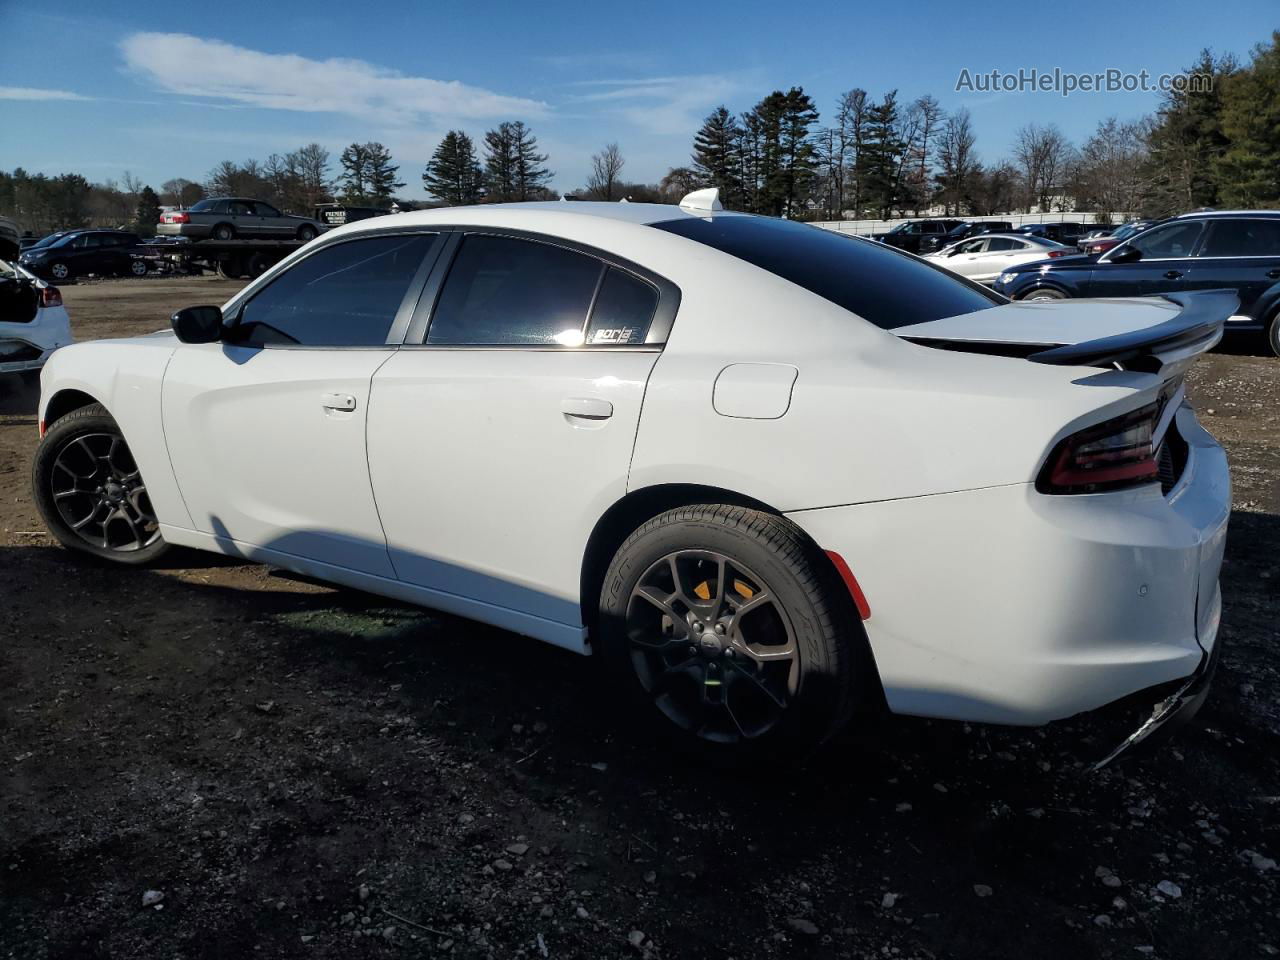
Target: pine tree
354, 179
500, 164
530, 176
1249, 171
715, 156
881, 156
381, 173
453, 174
148, 212
777, 132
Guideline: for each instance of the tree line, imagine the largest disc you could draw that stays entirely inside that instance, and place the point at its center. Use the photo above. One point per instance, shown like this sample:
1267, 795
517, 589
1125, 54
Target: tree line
875, 157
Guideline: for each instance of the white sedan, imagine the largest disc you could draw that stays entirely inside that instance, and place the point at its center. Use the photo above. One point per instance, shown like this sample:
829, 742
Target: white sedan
769, 475
985, 258
33, 321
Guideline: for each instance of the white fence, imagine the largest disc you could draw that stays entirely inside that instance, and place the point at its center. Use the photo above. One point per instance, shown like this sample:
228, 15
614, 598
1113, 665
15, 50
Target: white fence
862, 228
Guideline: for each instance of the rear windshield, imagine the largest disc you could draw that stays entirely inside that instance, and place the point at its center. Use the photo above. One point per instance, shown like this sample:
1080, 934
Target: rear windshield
204, 206
878, 283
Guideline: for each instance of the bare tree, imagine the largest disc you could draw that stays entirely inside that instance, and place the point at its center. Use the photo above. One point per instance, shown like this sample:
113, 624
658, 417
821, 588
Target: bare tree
605, 167
928, 118
957, 161
1045, 156
678, 182
1111, 173
851, 118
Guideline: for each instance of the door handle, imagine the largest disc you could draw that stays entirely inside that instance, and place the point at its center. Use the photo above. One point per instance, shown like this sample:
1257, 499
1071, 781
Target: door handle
586, 408
1172, 274
338, 401
1273, 274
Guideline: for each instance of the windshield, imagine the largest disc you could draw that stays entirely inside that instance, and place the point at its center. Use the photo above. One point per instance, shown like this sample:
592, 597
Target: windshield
1128, 230
862, 276
48, 241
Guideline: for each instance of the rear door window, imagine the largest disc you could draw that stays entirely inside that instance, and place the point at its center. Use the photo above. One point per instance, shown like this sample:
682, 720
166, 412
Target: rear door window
510, 291
1242, 238
343, 295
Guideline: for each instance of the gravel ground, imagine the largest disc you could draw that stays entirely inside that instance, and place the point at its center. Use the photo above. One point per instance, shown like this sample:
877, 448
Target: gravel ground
213, 760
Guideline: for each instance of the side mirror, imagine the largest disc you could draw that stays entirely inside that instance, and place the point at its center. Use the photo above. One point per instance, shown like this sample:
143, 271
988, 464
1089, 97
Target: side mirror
1126, 254
198, 324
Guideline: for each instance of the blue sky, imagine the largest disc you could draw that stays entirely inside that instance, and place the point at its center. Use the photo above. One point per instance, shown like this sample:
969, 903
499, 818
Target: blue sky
171, 89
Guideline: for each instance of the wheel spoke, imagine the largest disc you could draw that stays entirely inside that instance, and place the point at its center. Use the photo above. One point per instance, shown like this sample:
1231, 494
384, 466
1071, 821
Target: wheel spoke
113, 486
749, 675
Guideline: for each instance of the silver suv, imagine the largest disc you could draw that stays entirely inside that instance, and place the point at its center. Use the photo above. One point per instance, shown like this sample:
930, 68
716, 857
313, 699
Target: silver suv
236, 218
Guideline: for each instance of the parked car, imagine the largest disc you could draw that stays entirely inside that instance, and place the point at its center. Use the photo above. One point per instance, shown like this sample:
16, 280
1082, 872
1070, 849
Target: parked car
237, 218
10, 237
983, 258
918, 236
33, 321
975, 228
645, 465
77, 253
1064, 232
1239, 250
1114, 238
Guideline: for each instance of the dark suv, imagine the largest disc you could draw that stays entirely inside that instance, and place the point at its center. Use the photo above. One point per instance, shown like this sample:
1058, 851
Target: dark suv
918, 236
80, 252
1239, 250
1065, 232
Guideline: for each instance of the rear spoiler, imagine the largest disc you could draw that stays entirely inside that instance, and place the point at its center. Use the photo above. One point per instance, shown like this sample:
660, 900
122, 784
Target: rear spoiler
1195, 329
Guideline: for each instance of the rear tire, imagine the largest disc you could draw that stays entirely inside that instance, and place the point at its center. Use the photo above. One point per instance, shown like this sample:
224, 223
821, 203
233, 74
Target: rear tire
728, 630
224, 231
90, 491
139, 268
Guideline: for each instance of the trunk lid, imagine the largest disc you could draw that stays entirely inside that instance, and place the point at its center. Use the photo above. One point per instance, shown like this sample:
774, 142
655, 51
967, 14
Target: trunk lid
1143, 333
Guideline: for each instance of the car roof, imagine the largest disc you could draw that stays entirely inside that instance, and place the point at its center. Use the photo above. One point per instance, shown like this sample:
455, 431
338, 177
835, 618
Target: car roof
1251, 214
637, 213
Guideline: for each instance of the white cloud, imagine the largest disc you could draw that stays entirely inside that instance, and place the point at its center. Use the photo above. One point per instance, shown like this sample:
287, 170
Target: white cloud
663, 105
35, 93
195, 67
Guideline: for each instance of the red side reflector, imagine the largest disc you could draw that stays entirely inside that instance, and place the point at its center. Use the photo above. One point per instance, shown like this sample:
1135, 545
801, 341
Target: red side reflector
850, 581
43, 428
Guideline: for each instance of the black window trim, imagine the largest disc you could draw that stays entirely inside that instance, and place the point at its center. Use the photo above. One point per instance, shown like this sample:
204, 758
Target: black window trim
1209, 223
664, 313
404, 313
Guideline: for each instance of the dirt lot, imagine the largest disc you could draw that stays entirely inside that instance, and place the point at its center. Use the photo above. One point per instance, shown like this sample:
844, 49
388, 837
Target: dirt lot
302, 771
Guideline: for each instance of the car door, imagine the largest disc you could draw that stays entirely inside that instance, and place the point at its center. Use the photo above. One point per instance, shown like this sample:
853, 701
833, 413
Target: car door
1164, 264
968, 257
266, 430
245, 219
1242, 254
503, 429
272, 223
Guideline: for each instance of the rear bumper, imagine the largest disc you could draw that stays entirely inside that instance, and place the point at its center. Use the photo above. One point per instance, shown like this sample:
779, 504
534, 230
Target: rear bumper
194, 231
1004, 605
26, 346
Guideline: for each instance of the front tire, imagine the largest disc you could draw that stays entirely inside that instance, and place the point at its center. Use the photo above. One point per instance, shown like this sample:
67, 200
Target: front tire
1044, 293
306, 234
60, 271
1273, 333
727, 628
90, 491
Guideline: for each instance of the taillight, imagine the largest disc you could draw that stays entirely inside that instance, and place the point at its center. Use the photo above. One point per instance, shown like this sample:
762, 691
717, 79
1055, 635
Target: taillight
176, 218
1058, 253
50, 297
1114, 454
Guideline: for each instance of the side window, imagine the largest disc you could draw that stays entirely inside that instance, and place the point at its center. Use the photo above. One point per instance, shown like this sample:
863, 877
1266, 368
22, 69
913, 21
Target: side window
973, 246
265, 209
344, 295
1172, 241
1004, 244
623, 309
911, 228
1242, 238
241, 209
503, 290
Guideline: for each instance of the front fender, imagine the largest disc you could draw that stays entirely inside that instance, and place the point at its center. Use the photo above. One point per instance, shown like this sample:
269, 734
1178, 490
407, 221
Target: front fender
126, 377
